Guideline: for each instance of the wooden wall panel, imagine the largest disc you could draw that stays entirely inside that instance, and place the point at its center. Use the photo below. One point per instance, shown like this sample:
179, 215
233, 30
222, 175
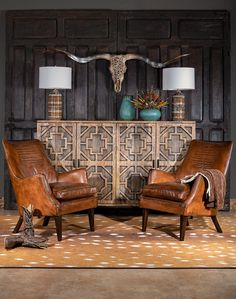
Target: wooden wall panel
201, 29
32, 28
86, 28
158, 35
148, 28
197, 97
18, 83
216, 85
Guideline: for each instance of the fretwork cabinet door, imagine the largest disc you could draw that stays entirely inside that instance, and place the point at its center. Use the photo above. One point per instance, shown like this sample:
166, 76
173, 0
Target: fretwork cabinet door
59, 139
136, 155
96, 142
118, 155
173, 141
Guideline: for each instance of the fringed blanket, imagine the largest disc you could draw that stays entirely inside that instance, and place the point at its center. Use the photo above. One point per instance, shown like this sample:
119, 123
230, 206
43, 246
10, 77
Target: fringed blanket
215, 189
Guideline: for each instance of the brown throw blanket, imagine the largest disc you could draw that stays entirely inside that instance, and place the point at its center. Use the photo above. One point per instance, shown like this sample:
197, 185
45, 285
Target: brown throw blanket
216, 186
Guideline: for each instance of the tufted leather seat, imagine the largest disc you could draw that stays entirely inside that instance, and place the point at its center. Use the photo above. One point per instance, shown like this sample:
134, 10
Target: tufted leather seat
172, 191
164, 192
67, 191
36, 182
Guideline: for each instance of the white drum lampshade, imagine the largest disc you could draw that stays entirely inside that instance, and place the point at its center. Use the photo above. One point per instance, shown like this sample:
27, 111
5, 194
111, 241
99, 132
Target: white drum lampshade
178, 78
55, 77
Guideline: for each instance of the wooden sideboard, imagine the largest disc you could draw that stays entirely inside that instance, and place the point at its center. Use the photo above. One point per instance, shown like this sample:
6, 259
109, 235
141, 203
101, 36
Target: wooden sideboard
117, 154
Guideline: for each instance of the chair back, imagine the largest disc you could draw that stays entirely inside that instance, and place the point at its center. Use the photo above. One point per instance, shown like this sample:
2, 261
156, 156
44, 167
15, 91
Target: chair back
206, 155
26, 158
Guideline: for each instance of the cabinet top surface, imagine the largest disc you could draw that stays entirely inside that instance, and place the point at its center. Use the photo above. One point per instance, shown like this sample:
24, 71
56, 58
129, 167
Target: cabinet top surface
116, 122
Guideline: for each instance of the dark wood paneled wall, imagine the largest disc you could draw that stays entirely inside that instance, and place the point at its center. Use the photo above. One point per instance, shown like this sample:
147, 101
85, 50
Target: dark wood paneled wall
159, 35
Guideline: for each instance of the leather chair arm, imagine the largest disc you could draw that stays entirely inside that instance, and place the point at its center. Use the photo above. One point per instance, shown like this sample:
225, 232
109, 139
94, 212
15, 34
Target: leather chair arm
159, 176
197, 191
74, 176
35, 190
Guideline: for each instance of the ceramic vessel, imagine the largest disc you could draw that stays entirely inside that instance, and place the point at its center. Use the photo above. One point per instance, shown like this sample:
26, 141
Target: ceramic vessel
127, 110
150, 114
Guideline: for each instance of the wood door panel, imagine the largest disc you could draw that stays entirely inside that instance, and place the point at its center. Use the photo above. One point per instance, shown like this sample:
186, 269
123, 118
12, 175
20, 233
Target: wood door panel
31, 28
147, 28
95, 145
18, 83
118, 155
102, 177
196, 99
201, 29
173, 144
132, 178
58, 139
216, 88
136, 155
86, 28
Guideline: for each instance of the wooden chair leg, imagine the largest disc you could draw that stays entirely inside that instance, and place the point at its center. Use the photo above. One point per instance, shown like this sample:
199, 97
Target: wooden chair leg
46, 220
217, 225
183, 224
91, 219
18, 225
58, 222
145, 220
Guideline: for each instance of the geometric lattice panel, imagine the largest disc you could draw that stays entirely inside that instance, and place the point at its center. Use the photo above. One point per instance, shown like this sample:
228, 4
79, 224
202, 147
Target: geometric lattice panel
101, 178
58, 139
96, 143
135, 157
173, 144
135, 143
132, 178
118, 155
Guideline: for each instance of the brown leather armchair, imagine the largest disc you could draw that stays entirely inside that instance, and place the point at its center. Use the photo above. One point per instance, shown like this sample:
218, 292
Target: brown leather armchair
165, 192
36, 182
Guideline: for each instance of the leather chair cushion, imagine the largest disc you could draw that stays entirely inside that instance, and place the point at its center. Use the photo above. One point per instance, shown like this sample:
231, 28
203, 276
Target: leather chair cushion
171, 191
68, 191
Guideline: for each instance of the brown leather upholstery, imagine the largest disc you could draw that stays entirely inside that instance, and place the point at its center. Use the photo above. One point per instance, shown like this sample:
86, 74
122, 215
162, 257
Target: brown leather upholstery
164, 192
172, 191
36, 182
67, 191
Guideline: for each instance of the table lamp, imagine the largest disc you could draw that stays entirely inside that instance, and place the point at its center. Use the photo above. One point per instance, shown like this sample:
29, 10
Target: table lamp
55, 77
178, 78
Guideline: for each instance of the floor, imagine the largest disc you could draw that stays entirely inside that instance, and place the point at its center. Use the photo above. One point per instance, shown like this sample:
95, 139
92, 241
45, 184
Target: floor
117, 283
35, 283
118, 242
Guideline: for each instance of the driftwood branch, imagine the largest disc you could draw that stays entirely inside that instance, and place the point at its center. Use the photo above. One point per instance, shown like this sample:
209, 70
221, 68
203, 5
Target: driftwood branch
28, 239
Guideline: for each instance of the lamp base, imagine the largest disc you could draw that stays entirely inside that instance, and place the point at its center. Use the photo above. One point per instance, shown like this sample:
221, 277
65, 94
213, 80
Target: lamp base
178, 107
55, 105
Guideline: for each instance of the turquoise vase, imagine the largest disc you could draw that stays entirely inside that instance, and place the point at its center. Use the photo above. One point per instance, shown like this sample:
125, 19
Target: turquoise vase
127, 110
150, 114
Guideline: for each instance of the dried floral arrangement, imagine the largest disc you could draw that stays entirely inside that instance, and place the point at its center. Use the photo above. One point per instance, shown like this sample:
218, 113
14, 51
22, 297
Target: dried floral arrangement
149, 99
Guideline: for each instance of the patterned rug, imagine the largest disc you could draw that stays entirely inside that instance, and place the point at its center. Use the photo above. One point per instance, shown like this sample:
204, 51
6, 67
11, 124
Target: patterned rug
119, 243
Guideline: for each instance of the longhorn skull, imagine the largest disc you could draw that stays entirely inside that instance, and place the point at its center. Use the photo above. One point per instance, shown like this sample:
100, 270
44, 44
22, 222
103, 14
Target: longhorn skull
117, 63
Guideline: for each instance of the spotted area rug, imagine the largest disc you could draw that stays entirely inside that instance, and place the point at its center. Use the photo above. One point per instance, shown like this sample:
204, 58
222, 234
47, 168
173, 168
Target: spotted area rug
118, 242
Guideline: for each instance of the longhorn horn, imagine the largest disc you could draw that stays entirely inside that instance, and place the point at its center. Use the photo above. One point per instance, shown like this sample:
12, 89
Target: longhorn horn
81, 59
153, 63
108, 57
173, 59
117, 63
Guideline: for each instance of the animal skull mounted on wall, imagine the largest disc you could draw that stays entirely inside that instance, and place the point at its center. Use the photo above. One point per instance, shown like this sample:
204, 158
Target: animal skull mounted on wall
117, 63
